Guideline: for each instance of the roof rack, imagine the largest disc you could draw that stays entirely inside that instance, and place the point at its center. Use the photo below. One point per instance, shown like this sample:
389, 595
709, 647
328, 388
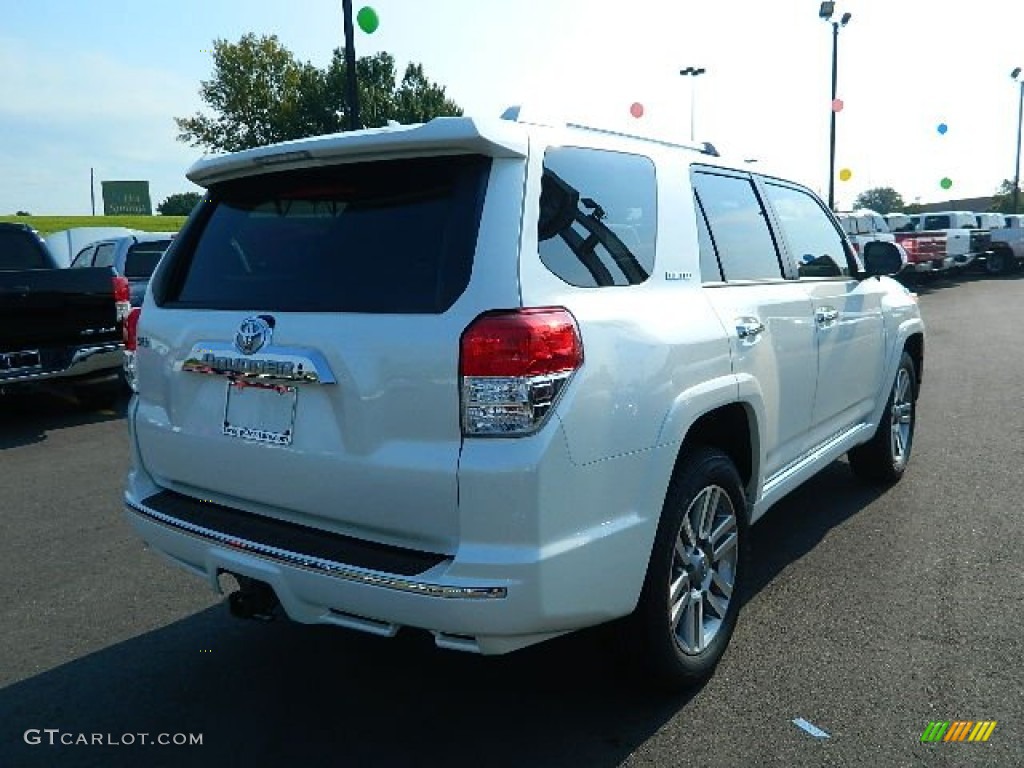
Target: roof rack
516, 114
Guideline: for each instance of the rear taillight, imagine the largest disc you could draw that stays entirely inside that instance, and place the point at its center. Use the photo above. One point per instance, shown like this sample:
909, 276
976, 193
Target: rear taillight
130, 332
130, 329
122, 296
513, 366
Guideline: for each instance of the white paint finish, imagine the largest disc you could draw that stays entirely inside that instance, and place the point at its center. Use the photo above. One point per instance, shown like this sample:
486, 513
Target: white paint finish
563, 519
782, 360
850, 352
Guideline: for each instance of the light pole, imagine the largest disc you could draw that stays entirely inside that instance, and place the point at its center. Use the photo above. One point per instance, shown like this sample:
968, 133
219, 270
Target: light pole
1020, 114
692, 72
351, 88
825, 12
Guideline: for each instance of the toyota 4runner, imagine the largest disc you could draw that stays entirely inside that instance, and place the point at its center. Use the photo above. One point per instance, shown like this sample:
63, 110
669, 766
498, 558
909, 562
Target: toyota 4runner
501, 381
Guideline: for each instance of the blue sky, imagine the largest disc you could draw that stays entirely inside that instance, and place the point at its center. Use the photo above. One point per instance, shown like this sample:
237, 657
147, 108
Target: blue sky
98, 83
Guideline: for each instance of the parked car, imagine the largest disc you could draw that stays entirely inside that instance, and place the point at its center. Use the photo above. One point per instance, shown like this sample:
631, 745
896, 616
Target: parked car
499, 381
865, 226
133, 256
990, 221
899, 222
943, 240
67, 242
58, 327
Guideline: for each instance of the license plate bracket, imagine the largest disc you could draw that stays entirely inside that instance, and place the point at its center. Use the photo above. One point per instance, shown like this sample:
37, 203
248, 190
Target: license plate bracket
260, 413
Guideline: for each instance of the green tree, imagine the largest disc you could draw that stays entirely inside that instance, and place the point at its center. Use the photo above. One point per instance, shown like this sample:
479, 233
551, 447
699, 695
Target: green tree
1002, 201
881, 199
179, 204
260, 94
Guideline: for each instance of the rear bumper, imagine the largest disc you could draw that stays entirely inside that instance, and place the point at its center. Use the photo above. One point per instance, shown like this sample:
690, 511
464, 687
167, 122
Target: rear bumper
534, 561
94, 361
932, 265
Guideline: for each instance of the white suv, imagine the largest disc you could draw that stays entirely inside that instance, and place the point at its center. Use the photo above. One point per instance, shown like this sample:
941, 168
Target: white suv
503, 381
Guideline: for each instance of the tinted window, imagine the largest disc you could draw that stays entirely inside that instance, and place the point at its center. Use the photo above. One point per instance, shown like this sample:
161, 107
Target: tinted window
83, 259
736, 221
104, 255
598, 217
813, 240
710, 271
18, 251
142, 258
381, 237
936, 222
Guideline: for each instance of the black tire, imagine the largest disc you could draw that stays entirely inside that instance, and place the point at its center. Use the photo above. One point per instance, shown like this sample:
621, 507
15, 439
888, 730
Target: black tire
658, 641
998, 262
99, 397
884, 458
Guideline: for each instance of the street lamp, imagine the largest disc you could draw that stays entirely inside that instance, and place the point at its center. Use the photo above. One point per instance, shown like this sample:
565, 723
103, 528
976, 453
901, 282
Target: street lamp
351, 87
692, 72
1020, 114
825, 13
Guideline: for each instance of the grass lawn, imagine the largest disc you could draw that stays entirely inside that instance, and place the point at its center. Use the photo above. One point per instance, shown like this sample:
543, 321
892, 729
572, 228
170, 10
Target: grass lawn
48, 224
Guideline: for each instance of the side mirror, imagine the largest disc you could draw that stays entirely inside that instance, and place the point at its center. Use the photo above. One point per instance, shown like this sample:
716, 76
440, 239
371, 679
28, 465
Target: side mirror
883, 258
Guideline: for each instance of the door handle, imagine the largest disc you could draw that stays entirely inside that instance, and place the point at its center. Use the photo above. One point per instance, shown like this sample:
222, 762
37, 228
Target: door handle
749, 329
826, 316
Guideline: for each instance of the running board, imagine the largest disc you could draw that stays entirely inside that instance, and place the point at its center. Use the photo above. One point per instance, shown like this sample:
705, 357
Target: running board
830, 450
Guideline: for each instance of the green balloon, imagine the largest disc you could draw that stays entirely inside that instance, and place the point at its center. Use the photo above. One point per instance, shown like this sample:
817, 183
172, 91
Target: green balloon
367, 19
946, 183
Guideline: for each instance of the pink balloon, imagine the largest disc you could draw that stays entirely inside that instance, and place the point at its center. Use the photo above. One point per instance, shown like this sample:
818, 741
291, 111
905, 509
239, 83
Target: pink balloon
636, 109
837, 105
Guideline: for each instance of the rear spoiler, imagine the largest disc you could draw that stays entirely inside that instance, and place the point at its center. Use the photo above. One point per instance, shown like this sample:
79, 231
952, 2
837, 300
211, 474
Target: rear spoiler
441, 136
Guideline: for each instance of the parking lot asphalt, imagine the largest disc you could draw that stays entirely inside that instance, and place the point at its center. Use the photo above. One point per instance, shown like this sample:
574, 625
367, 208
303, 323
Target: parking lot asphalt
872, 612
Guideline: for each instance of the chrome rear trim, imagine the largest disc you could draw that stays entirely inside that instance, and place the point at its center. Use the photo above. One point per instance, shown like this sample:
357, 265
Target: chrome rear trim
330, 568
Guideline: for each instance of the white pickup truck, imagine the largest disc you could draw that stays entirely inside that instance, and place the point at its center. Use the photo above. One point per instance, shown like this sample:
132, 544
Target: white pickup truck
1006, 248
943, 240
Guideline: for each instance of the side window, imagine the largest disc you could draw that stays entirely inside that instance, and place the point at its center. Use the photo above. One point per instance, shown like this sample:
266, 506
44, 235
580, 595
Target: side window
813, 239
83, 259
710, 269
738, 229
598, 217
104, 255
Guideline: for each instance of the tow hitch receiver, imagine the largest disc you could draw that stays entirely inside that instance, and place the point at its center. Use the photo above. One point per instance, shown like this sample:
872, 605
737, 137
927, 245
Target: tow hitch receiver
252, 600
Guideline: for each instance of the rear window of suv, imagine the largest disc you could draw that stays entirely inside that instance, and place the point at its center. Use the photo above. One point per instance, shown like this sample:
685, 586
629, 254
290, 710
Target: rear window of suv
392, 237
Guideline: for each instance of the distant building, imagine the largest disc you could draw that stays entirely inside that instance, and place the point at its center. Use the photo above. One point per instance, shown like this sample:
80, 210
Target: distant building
974, 204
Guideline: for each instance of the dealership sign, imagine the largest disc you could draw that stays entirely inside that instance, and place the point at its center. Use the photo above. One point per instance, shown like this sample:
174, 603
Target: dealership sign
126, 197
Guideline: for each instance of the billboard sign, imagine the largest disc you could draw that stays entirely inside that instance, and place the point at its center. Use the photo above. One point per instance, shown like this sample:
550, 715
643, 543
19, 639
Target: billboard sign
126, 198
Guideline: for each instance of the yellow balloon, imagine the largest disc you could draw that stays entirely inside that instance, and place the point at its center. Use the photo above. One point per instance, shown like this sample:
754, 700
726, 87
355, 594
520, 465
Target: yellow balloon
845, 175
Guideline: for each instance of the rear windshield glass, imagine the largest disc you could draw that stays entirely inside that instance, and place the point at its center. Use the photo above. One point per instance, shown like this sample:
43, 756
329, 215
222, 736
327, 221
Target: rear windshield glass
392, 236
17, 251
141, 259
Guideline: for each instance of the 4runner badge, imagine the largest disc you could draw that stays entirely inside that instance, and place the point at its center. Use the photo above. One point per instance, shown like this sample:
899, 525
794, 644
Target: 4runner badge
254, 333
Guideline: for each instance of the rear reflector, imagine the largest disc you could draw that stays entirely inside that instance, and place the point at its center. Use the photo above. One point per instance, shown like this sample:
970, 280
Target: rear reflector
513, 366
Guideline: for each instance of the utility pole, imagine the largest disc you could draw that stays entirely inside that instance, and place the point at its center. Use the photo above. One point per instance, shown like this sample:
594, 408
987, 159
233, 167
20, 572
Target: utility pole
1016, 168
351, 89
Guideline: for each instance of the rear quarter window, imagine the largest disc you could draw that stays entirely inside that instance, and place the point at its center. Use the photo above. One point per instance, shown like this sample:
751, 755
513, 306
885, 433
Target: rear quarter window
393, 236
598, 217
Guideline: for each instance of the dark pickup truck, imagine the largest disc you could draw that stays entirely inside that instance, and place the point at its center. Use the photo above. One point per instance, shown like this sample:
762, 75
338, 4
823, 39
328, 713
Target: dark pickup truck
58, 326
